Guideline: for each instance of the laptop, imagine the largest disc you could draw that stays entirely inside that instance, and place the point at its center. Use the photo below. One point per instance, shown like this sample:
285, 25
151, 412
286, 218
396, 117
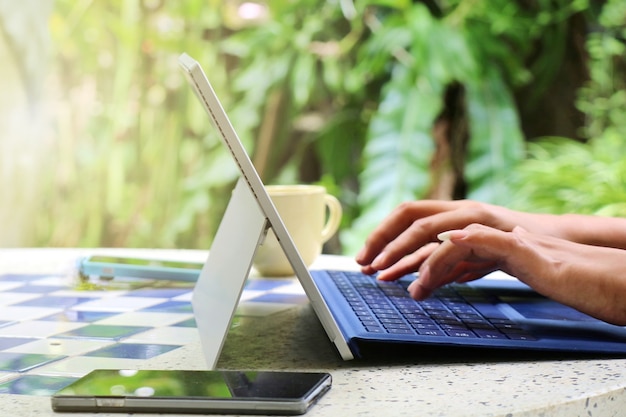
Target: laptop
358, 312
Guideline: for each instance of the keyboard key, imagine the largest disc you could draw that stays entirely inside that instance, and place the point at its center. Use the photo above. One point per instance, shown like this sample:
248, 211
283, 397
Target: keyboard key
453, 326
370, 323
510, 326
428, 325
388, 315
401, 331
420, 320
391, 321
375, 329
519, 336
482, 325
430, 332
460, 333
489, 334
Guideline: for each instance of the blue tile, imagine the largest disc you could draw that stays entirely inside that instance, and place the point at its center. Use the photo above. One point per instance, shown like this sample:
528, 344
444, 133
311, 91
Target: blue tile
21, 362
36, 385
266, 284
9, 342
22, 277
132, 351
186, 323
79, 316
280, 298
159, 292
101, 331
39, 289
171, 307
54, 301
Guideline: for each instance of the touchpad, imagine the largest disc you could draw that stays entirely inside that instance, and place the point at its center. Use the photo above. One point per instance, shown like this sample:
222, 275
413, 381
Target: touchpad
557, 321
540, 308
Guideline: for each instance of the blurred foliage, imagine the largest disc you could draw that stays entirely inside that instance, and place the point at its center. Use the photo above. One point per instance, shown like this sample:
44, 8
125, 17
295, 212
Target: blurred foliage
136, 160
23, 42
562, 175
345, 93
373, 76
566, 176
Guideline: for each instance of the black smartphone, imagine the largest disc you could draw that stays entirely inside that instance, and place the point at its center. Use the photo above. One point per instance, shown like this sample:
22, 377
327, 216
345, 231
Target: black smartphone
199, 392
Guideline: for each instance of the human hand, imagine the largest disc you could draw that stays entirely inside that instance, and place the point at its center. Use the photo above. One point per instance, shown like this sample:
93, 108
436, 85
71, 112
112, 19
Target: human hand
408, 236
588, 278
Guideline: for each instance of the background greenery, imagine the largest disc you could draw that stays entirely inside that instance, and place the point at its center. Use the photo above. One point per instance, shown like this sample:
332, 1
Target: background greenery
562, 175
379, 100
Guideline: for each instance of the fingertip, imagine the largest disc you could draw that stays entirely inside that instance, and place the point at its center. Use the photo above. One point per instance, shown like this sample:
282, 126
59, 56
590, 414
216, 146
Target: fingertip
452, 235
379, 262
359, 257
417, 292
382, 276
368, 270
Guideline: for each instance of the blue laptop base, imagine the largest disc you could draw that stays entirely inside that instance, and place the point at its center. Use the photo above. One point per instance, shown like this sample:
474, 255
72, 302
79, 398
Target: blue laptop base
484, 314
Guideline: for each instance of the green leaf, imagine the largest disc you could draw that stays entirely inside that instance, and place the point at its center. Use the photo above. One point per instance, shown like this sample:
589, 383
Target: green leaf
303, 79
394, 4
397, 153
496, 144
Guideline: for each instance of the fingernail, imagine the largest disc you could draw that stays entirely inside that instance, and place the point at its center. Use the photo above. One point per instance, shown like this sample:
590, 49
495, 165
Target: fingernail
451, 234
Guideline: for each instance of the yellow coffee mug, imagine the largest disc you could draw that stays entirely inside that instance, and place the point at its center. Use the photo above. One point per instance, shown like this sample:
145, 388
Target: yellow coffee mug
311, 216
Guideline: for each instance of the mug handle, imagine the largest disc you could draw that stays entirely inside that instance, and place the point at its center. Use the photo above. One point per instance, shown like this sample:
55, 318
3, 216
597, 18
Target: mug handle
334, 217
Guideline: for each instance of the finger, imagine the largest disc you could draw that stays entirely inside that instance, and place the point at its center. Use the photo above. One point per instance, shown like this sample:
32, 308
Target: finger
421, 232
478, 242
425, 285
469, 276
475, 272
458, 256
419, 289
408, 264
527, 256
441, 270
398, 222
394, 224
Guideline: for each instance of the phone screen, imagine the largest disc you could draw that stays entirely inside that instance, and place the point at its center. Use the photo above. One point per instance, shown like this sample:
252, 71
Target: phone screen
214, 384
209, 391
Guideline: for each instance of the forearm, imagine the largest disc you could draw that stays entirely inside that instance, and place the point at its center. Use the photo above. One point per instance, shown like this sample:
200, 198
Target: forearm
592, 230
585, 229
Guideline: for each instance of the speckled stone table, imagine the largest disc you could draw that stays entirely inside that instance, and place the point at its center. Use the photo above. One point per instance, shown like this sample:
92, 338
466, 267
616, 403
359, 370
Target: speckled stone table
417, 383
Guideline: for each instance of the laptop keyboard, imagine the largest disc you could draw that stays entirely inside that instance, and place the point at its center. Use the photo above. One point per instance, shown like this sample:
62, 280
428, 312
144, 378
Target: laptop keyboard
452, 311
